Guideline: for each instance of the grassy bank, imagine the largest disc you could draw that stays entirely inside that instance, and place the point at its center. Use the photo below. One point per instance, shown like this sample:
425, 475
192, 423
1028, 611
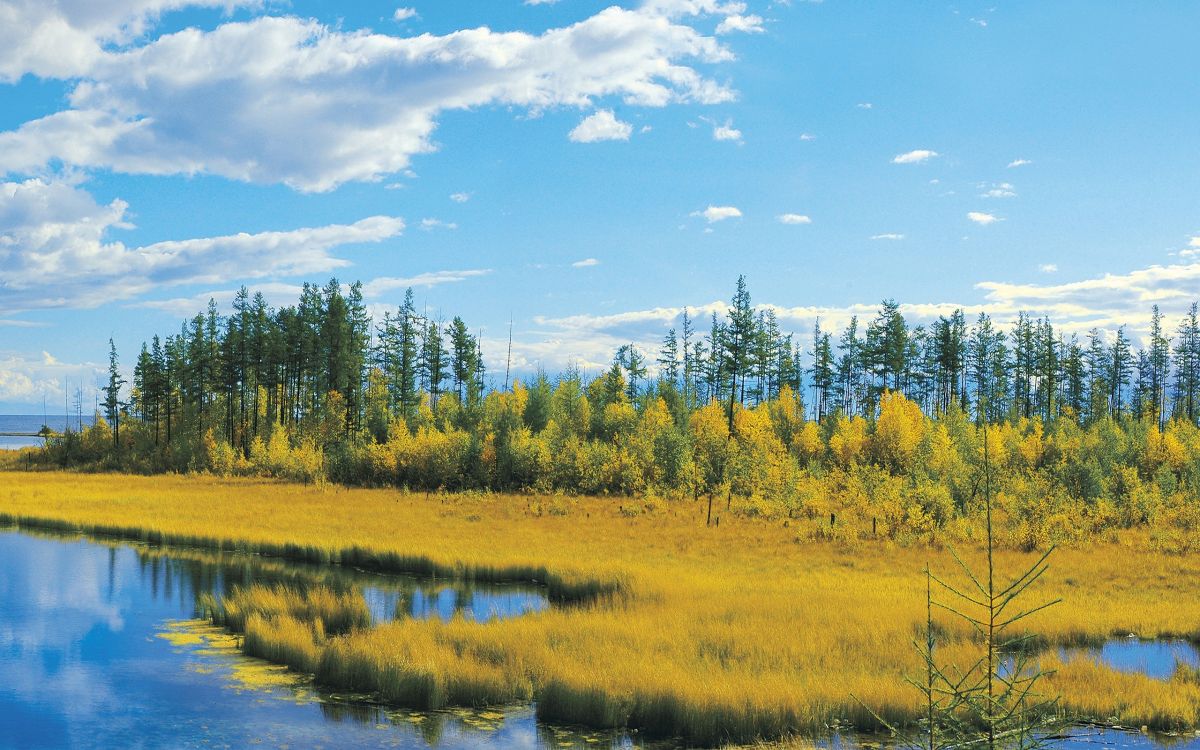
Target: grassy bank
748, 629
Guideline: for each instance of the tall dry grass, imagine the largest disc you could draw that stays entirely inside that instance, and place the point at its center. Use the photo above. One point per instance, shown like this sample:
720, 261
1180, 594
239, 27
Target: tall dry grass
731, 633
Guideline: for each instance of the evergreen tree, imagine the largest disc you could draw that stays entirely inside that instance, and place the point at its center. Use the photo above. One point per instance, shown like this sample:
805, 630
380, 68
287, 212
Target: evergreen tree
1119, 373
850, 370
1187, 367
737, 342
822, 372
1097, 360
1159, 367
112, 394
634, 364
668, 358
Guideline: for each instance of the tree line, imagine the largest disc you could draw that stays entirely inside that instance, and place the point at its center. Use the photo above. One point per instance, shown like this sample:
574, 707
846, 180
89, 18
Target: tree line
319, 390
324, 357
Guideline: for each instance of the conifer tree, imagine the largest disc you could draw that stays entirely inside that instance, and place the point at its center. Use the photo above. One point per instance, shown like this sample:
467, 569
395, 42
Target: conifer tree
112, 394
1187, 367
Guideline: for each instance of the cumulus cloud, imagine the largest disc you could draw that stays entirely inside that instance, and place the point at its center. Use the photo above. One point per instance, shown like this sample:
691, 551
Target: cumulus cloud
65, 38
379, 286
431, 224
887, 236
981, 218
998, 190
601, 126
914, 157
727, 132
55, 250
1018, 163
713, 214
26, 380
793, 219
749, 24
585, 263
270, 100
460, 197
1048, 268
865, 105
404, 14
277, 294
1107, 303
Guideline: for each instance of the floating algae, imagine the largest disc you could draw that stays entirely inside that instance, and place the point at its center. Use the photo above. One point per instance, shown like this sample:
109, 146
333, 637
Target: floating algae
212, 650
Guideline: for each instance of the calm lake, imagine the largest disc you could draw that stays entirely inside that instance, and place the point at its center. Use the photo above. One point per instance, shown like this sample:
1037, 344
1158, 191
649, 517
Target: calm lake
98, 649
93, 655
30, 423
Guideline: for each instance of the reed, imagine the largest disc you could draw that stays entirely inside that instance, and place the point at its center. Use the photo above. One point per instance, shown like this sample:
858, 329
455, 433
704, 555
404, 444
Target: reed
748, 630
334, 612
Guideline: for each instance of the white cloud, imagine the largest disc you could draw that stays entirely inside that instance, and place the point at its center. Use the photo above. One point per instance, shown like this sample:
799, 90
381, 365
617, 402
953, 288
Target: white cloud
865, 105
1018, 163
998, 190
460, 197
28, 379
888, 236
979, 22
266, 100
66, 38
431, 224
379, 286
807, 137
55, 250
540, 2
1106, 303
277, 294
727, 132
793, 219
404, 14
1048, 268
585, 263
914, 157
749, 24
1192, 250
713, 214
601, 126
979, 217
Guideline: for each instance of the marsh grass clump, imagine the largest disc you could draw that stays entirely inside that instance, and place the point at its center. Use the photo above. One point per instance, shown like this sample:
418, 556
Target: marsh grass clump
413, 664
337, 612
283, 639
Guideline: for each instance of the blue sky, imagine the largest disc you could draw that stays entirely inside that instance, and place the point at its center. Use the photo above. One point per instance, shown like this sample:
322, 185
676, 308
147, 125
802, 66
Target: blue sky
587, 170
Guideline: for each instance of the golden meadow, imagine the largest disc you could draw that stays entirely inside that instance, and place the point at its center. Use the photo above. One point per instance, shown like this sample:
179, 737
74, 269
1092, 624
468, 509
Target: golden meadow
763, 626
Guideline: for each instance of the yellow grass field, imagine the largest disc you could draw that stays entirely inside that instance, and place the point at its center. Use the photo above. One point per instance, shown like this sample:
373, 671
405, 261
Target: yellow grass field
737, 632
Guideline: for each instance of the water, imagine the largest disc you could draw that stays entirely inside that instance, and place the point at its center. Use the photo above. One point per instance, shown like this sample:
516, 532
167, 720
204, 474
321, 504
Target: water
1155, 659
97, 650
31, 423
92, 656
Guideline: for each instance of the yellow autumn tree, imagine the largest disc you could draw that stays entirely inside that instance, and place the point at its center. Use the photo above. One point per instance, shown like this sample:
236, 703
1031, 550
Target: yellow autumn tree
898, 432
849, 440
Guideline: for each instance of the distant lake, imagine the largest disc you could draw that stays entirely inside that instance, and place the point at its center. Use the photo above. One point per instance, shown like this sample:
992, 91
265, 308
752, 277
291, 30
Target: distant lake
33, 423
